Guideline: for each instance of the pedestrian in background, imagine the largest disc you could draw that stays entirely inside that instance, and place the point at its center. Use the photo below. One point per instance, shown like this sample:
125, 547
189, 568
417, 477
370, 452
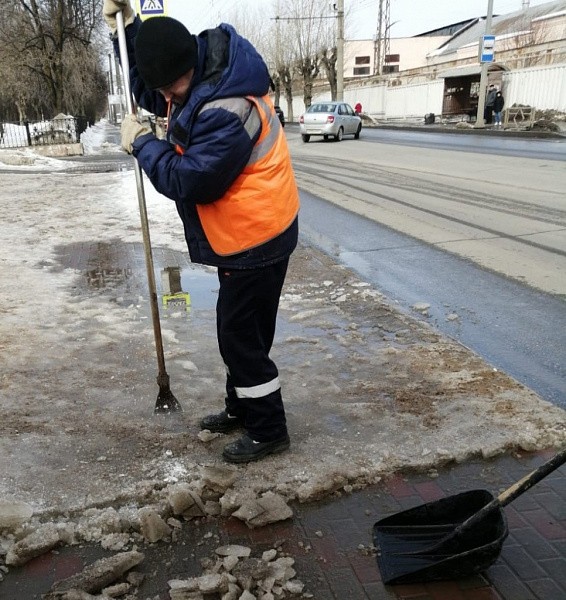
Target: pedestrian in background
498, 105
226, 164
358, 108
488, 112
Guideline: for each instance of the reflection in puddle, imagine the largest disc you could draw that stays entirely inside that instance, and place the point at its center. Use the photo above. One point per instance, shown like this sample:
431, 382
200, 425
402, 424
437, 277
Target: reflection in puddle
188, 288
202, 285
102, 278
173, 294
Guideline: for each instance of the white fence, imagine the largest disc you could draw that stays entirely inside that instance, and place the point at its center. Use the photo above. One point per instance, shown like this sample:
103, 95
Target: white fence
541, 87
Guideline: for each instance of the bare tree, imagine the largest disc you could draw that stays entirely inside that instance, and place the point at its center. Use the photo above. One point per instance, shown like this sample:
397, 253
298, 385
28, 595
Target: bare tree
308, 22
274, 41
48, 45
328, 58
519, 37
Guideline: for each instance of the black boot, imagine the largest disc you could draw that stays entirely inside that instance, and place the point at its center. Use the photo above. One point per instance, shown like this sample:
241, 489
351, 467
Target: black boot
247, 450
221, 422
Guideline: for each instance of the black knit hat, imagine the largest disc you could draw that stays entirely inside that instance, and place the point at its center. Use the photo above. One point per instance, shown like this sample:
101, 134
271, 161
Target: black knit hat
165, 50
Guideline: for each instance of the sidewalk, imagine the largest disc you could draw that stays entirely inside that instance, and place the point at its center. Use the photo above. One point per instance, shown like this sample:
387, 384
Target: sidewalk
331, 540
466, 129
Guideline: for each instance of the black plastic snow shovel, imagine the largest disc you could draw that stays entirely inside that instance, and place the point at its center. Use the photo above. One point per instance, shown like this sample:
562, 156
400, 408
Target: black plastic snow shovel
166, 401
449, 538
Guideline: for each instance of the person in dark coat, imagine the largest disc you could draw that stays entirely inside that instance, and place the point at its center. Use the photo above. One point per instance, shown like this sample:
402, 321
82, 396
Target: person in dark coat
490, 98
498, 104
226, 165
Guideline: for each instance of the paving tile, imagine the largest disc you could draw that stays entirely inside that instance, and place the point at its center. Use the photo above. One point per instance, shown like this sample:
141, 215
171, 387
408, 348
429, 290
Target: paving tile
412, 591
378, 592
545, 524
553, 503
410, 502
445, 590
348, 533
534, 544
344, 584
532, 565
366, 568
523, 564
514, 518
547, 589
429, 491
508, 585
484, 593
556, 570
329, 552
399, 488
559, 545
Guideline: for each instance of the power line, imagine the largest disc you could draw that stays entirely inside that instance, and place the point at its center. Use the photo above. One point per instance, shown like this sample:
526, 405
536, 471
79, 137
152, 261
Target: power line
302, 18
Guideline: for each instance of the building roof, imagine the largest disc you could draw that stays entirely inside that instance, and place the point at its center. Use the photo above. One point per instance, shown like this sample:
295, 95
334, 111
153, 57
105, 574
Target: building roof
446, 29
501, 25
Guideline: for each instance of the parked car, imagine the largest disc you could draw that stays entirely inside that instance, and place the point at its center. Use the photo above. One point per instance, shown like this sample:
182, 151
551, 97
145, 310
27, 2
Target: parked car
281, 115
330, 119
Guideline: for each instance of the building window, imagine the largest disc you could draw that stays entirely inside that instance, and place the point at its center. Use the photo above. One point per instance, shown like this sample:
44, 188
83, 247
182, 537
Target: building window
361, 70
392, 58
362, 60
390, 69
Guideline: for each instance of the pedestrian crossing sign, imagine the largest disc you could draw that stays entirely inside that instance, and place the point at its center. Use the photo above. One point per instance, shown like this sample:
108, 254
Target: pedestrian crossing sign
151, 8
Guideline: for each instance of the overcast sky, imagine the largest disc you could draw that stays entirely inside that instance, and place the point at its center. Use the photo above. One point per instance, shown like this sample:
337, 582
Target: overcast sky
410, 17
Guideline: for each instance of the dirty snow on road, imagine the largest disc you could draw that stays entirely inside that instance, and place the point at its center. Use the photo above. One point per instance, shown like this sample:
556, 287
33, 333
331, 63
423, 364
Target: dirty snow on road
368, 390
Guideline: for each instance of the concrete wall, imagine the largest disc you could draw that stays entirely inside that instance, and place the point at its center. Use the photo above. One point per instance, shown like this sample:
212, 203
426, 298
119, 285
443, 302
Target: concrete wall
541, 87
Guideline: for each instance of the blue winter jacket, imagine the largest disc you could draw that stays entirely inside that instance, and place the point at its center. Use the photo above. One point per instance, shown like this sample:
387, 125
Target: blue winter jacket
217, 147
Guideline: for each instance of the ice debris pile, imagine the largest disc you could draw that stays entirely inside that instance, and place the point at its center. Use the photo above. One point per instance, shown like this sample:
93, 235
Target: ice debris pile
25, 536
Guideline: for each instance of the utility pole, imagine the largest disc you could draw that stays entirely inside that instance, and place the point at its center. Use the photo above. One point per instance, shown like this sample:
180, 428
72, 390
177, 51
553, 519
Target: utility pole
480, 122
278, 38
381, 44
340, 52
111, 114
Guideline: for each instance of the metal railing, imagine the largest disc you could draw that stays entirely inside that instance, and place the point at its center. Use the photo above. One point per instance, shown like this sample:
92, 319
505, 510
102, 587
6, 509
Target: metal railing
64, 130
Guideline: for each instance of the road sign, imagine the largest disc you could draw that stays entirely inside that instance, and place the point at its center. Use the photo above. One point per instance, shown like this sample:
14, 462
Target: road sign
151, 8
487, 48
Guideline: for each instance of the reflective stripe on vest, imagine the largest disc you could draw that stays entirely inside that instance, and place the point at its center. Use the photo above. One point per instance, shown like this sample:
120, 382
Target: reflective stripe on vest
263, 201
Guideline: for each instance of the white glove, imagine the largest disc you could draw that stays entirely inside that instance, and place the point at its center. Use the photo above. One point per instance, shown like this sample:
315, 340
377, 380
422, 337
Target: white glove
131, 130
111, 7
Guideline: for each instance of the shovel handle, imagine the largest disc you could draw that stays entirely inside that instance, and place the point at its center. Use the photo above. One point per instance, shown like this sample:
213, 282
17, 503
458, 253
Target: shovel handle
518, 488
131, 108
451, 541
527, 482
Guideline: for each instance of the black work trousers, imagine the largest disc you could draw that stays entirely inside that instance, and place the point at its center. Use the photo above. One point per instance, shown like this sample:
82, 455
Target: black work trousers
246, 314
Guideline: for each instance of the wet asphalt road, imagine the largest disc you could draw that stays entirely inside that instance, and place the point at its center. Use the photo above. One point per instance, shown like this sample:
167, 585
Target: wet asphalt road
478, 142
514, 327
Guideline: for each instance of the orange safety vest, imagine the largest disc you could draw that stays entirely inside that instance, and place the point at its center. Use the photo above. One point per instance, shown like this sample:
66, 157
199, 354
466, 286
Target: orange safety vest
263, 201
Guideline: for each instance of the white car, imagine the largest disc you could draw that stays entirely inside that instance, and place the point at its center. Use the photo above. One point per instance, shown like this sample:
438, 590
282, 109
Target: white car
330, 119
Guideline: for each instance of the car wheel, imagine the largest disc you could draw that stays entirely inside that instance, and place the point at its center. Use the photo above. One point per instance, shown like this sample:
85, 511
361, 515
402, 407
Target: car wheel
306, 137
340, 135
357, 134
